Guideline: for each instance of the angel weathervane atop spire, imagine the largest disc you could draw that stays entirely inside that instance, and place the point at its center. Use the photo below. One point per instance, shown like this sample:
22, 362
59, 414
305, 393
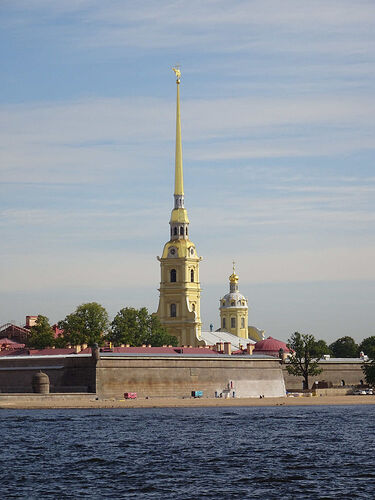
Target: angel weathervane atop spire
177, 73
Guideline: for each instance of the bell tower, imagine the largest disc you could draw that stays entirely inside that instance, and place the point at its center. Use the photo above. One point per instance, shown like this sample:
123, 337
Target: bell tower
234, 309
179, 302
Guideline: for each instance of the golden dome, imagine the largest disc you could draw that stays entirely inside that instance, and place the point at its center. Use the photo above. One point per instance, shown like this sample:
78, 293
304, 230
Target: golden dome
233, 278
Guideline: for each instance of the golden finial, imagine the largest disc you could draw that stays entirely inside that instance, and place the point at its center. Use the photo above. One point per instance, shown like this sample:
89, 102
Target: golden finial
233, 278
177, 72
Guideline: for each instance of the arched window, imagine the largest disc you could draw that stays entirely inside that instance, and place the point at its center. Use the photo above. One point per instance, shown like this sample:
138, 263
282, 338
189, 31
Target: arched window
193, 307
175, 231
173, 275
192, 275
223, 303
224, 323
181, 231
233, 322
186, 231
242, 322
173, 310
233, 303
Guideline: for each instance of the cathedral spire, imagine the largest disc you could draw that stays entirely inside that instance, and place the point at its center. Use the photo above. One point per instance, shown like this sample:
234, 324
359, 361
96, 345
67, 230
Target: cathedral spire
179, 178
179, 220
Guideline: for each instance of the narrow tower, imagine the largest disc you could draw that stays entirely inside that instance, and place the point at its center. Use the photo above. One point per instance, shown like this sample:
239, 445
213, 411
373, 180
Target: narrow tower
234, 310
179, 302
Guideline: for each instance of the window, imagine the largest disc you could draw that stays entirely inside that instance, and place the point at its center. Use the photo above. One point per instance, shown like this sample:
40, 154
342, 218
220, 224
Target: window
233, 303
173, 275
192, 275
223, 303
175, 231
173, 310
233, 322
224, 323
193, 307
186, 232
242, 322
181, 231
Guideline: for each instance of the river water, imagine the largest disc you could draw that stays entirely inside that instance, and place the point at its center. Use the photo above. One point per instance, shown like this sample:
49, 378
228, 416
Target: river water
195, 453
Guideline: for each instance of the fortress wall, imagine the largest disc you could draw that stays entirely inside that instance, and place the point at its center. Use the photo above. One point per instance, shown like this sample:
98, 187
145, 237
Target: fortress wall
335, 372
178, 377
65, 374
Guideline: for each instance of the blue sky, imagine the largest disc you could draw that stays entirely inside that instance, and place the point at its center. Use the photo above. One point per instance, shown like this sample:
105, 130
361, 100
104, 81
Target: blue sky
278, 142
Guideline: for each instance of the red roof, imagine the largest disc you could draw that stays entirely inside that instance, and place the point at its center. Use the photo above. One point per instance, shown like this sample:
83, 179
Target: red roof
270, 346
159, 350
103, 350
10, 343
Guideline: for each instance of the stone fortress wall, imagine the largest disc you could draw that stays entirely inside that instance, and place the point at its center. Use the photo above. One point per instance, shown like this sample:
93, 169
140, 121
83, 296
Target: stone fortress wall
179, 376
168, 376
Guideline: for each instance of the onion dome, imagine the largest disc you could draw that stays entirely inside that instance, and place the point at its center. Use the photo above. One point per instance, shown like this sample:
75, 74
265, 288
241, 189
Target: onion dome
234, 298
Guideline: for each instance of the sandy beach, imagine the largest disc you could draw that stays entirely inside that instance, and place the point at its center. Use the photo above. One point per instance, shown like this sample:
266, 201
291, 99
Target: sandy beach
55, 402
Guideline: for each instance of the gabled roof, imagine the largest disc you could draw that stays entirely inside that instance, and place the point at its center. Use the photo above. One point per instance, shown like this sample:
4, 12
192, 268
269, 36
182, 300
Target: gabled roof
212, 338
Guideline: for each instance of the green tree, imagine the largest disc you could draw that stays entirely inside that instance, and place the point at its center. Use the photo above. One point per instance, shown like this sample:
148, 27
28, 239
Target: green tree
369, 372
305, 357
137, 327
87, 325
41, 334
344, 347
367, 346
320, 348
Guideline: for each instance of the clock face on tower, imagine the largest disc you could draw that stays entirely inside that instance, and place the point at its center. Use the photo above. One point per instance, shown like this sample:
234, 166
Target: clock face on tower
172, 252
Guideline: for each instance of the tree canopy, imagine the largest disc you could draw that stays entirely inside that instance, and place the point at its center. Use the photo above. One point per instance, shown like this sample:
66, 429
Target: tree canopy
369, 372
87, 325
344, 347
320, 348
304, 360
137, 327
367, 346
41, 334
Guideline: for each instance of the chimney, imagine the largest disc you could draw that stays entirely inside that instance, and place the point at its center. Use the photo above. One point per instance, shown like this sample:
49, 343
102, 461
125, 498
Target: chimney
249, 349
227, 348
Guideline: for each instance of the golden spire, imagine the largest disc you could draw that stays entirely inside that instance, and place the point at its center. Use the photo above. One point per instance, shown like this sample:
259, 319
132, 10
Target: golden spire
233, 278
178, 179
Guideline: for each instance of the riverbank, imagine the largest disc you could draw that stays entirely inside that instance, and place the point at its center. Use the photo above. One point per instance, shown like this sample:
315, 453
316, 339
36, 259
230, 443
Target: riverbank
55, 401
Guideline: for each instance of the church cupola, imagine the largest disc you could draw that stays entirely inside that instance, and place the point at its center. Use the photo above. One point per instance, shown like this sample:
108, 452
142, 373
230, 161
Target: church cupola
234, 309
